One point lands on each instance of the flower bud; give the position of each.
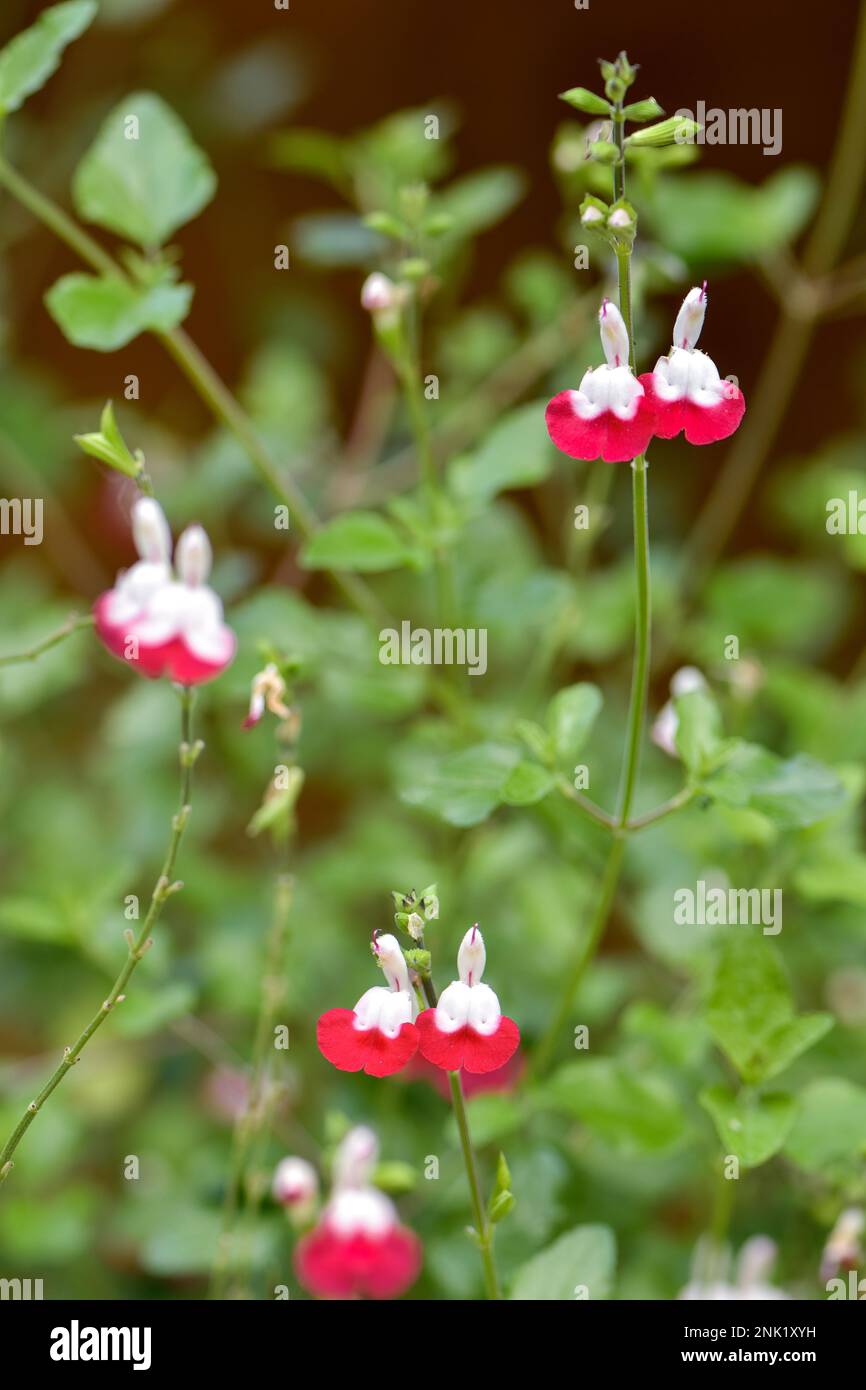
(472, 957)
(583, 100)
(355, 1158)
(614, 334)
(295, 1185)
(379, 293)
(193, 556)
(151, 531)
(690, 319)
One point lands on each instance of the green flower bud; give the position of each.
(648, 110)
(584, 100)
(677, 130)
(604, 152)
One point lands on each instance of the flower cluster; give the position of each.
(466, 1030)
(357, 1247)
(166, 624)
(614, 414)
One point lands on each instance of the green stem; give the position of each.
(138, 945)
(76, 622)
(252, 1120)
(667, 808)
(199, 372)
(410, 377)
(483, 1226)
(640, 668)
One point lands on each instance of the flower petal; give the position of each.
(702, 424)
(487, 1052)
(363, 1049)
(606, 436)
(465, 1048)
(338, 1266)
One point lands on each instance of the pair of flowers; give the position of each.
(614, 414)
(164, 622)
(466, 1030)
(357, 1247)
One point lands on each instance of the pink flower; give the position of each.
(467, 1028)
(609, 416)
(379, 1035)
(296, 1185)
(358, 1247)
(166, 626)
(502, 1081)
(685, 389)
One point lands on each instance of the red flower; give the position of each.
(467, 1028)
(685, 389)
(379, 1035)
(161, 625)
(358, 1248)
(610, 415)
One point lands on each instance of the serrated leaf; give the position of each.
(361, 541)
(753, 1127)
(143, 180)
(793, 793)
(516, 453)
(97, 312)
(830, 1128)
(636, 1113)
(570, 717)
(29, 59)
(581, 1260)
(463, 788)
(750, 1011)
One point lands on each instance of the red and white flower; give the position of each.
(467, 1029)
(685, 389)
(358, 1247)
(162, 625)
(379, 1035)
(609, 415)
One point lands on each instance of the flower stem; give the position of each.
(228, 1265)
(74, 623)
(640, 667)
(199, 372)
(138, 944)
(483, 1226)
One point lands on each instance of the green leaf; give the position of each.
(830, 1128)
(516, 453)
(792, 793)
(109, 446)
(148, 1010)
(105, 314)
(336, 239)
(463, 788)
(636, 1113)
(526, 784)
(584, 100)
(751, 1014)
(579, 1264)
(699, 730)
(31, 57)
(750, 1126)
(570, 717)
(708, 217)
(481, 199)
(361, 541)
(144, 177)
